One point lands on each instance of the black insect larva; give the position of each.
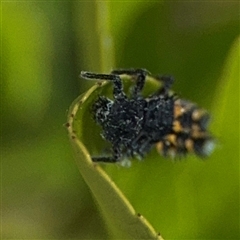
(134, 124)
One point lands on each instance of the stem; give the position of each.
(106, 45)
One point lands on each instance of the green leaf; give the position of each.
(227, 93)
(121, 218)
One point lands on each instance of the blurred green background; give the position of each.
(45, 45)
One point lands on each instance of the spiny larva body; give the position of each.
(133, 125)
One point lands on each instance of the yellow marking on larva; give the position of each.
(159, 147)
(178, 110)
(197, 132)
(189, 145)
(197, 135)
(197, 114)
(195, 128)
(172, 138)
(177, 127)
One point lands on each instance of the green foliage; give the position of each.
(45, 45)
(186, 181)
